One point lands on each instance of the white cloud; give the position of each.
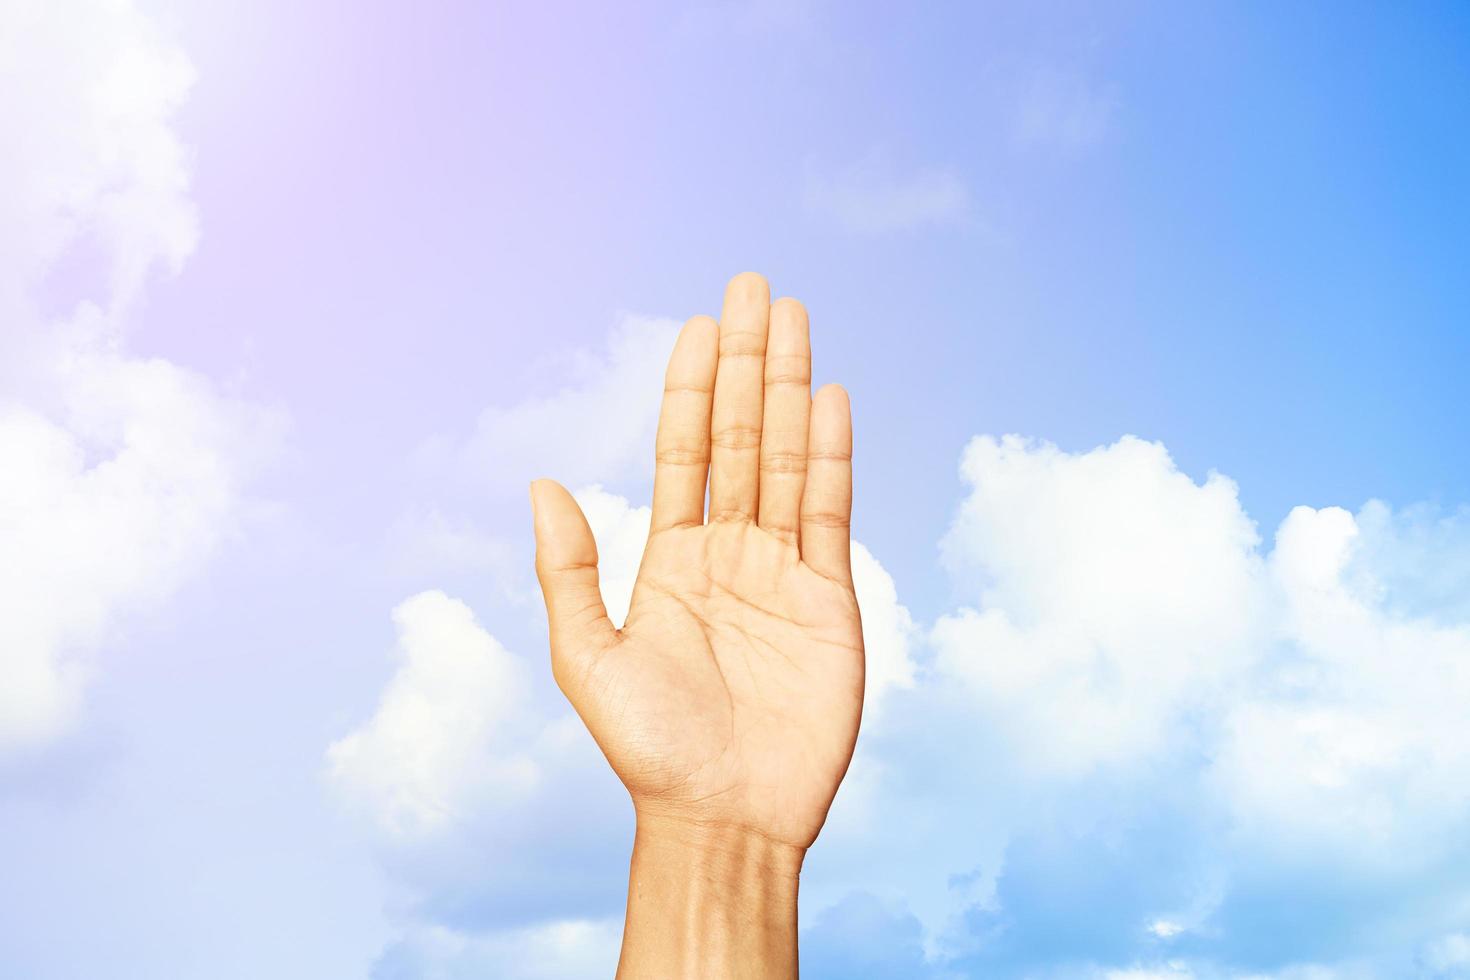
(1128, 654)
(1114, 597)
(119, 476)
(1357, 741)
(889, 634)
(1126, 621)
(869, 198)
(90, 89)
(621, 531)
(447, 733)
(1414, 562)
(107, 505)
(474, 795)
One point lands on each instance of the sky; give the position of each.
(1154, 319)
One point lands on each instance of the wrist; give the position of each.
(727, 852)
(720, 900)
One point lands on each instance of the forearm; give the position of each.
(709, 903)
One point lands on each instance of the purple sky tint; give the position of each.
(441, 251)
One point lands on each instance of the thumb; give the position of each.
(566, 564)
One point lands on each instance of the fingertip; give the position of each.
(537, 491)
(749, 286)
(791, 305)
(698, 339)
(834, 395)
(539, 488)
(698, 324)
(790, 328)
(545, 496)
(831, 421)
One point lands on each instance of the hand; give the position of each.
(728, 703)
(731, 697)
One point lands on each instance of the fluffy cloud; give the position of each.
(109, 504)
(889, 633)
(1357, 742)
(488, 808)
(91, 87)
(119, 476)
(1113, 598)
(621, 531)
(443, 738)
(1219, 736)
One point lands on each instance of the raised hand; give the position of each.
(728, 703)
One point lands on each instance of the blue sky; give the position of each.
(300, 302)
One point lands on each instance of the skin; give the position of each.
(728, 703)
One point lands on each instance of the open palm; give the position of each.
(732, 694)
